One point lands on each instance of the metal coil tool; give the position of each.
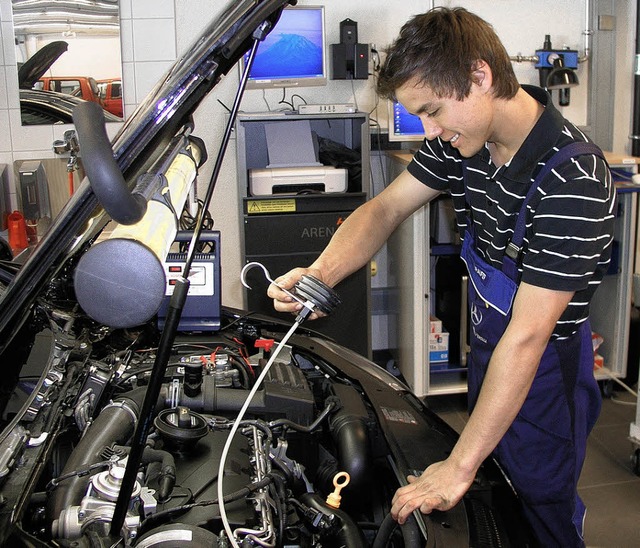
(313, 294)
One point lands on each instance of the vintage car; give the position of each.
(123, 425)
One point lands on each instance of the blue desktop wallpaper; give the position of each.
(404, 122)
(293, 49)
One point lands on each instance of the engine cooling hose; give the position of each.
(349, 430)
(105, 177)
(347, 532)
(114, 424)
(167, 476)
(410, 533)
(167, 479)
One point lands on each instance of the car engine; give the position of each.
(307, 465)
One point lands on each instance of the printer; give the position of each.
(294, 180)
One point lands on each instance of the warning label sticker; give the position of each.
(398, 415)
(257, 207)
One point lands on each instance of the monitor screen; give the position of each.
(402, 125)
(294, 52)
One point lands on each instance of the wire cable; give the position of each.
(617, 380)
(236, 424)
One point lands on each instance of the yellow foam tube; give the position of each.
(120, 282)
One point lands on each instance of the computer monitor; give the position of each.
(403, 126)
(294, 52)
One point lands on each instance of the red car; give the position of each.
(83, 87)
(111, 94)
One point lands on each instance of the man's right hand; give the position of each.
(283, 302)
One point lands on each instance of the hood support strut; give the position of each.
(174, 312)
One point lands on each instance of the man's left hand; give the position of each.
(440, 487)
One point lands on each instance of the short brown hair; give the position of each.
(440, 49)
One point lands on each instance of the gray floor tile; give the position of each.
(613, 515)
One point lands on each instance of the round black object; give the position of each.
(320, 294)
(120, 283)
(181, 426)
(178, 535)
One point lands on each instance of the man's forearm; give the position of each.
(503, 392)
(364, 231)
(355, 242)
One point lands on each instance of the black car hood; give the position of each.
(39, 63)
(61, 102)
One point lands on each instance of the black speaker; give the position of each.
(349, 61)
(361, 62)
(348, 32)
(339, 64)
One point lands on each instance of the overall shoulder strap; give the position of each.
(572, 150)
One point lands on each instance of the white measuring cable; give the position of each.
(308, 307)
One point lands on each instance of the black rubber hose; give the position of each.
(346, 532)
(351, 437)
(167, 478)
(101, 168)
(410, 533)
(349, 430)
(114, 424)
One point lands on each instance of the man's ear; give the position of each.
(481, 74)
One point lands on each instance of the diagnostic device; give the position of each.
(203, 305)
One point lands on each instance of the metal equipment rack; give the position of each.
(610, 315)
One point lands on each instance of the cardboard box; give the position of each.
(438, 357)
(598, 361)
(435, 325)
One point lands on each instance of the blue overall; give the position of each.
(544, 449)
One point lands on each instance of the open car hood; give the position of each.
(142, 139)
(34, 68)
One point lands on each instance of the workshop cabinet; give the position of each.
(290, 228)
(414, 257)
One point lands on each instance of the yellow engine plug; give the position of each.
(340, 481)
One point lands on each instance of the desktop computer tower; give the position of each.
(294, 237)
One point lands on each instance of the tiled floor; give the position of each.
(607, 485)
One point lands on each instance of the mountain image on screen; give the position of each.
(292, 55)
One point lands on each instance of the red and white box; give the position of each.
(439, 347)
(435, 325)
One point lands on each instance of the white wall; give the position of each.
(155, 32)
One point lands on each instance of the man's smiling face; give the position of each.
(466, 124)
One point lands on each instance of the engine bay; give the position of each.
(314, 462)
(305, 427)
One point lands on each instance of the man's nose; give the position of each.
(431, 129)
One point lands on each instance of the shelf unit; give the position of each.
(410, 249)
(287, 230)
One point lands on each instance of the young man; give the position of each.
(532, 395)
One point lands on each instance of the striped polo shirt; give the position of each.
(570, 218)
